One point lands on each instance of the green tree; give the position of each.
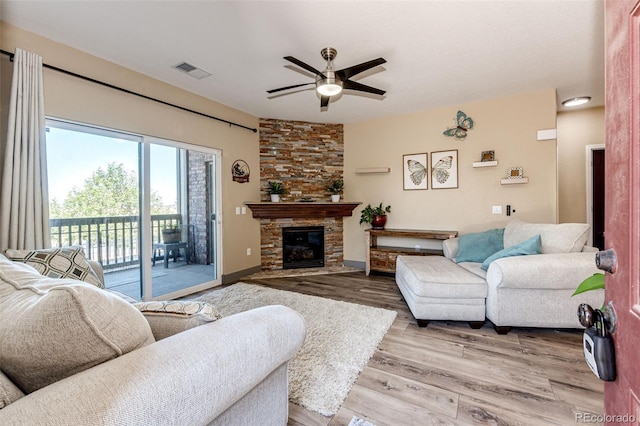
(110, 192)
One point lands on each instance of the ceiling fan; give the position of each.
(331, 83)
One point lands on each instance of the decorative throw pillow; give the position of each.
(53, 328)
(65, 262)
(531, 246)
(167, 318)
(478, 246)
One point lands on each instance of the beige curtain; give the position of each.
(24, 211)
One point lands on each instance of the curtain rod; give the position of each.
(111, 86)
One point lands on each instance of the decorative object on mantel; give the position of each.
(488, 156)
(414, 171)
(372, 170)
(487, 159)
(464, 123)
(335, 189)
(375, 216)
(276, 189)
(444, 169)
(240, 171)
(514, 175)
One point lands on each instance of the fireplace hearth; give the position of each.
(302, 247)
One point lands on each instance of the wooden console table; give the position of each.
(383, 258)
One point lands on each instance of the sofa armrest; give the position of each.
(542, 271)
(189, 378)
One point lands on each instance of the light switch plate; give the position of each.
(496, 209)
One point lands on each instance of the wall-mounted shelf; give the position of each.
(369, 170)
(514, 181)
(485, 163)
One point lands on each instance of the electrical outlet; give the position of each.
(237, 210)
(244, 210)
(496, 209)
(249, 251)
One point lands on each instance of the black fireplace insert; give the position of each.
(303, 247)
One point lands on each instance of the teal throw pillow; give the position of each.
(478, 246)
(531, 246)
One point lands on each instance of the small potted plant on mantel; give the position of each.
(335, 189)
(275, 190)
(376, 216)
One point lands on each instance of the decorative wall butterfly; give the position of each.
(441, 169)
(418, 171)
(463, 125)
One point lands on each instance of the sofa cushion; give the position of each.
(476, 247)
(531, 246)
(65, 262)
(439, 277)
(52, 328)
(167, 318)
(9, 392)
(556, 238)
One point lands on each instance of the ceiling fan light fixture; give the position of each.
(328, 88)
(580, 100)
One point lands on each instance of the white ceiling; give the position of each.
(438, 53)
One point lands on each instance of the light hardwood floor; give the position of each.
(449, 374)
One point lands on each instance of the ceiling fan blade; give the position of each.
(303, 65)
(352, 85)
(349, 72)
(324, 103)
(288, 87)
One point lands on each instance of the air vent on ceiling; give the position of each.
(193, 71)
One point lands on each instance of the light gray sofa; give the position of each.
(227, 372)
(524, 291)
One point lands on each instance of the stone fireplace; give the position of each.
(306, 158)
(276, 216)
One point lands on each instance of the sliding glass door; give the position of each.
(140, 206)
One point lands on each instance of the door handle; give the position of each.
(607, 261)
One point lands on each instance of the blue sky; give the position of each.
(73, 156)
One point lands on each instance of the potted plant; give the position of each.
(376, 216)
(171, 235)
(276, 189)
(335, 189)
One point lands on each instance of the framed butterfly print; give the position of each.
(444, 169)
(415, 171)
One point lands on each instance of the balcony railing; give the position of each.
(113, 241)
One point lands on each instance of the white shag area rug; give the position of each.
(341, 337)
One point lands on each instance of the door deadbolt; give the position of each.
(607, 261)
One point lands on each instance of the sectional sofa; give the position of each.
(523, 275)
(73, 353)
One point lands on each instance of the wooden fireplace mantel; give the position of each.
(300, 210)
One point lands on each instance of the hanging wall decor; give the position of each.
(444, 169)
(415, 171)
(240, 171)
(464, 123)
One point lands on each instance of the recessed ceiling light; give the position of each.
(580, 100)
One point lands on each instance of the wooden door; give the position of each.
(622, 110)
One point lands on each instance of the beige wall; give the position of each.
(74, 99)
(576, 130)
(508, 126)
